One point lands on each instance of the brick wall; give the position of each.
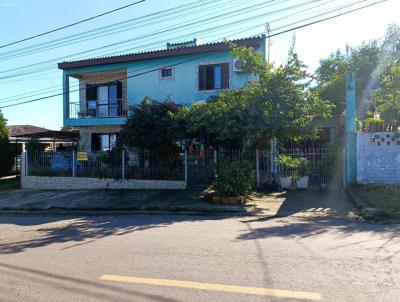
(101, 78)
(85, 139)
(378, 158)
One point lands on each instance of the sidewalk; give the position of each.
(110, 200)
(305, 204)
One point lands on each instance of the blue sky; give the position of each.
(22, 18)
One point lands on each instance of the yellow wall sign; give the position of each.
(82, 156)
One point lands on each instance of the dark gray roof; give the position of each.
(18, 130)
(164, 53)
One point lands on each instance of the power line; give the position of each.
(180, 27)
(207, 30)
(183, 24)
(72, 24)
(329, 18)
(196, 58)
(51, 88)
(27, 95)
(135, 23)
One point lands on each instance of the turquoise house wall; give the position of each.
(144, 81)
(182, 87)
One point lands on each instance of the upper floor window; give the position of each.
(166, 72)
(213, 76)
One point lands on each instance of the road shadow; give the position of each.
(80, 230)
(304, 228)
(310, 214)
(83, 287)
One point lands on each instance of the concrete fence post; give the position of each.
(215, 156)
(22, 167)
(26, 163)
(123, 164)
(186, 169)
(73, 163)
(258, 168)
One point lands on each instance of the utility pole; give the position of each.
(268, 30)
(351, 134)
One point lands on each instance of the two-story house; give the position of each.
(98, 91)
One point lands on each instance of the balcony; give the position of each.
(95, 98)
(98, 109)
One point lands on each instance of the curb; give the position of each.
(131, 211)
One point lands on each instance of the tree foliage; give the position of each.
(331, 75)
(153, 126)
(278, 102)
(6, 151)
(386, 98)
(376, 65)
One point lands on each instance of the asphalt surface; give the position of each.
(65, 258)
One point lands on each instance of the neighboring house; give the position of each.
(97, 92)
(19, 135)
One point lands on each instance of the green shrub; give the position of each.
(6, 151)
(296, 165)
(234, 178)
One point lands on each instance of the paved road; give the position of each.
(195, 258)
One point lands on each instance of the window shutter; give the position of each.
(209, 77)
(119, 90)
(225, 76)
(202, 77)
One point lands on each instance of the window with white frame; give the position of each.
(166, 73)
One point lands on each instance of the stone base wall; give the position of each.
(82, 183)
(85, 140)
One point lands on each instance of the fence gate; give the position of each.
(201, 167)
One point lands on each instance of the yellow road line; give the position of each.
(215, 287)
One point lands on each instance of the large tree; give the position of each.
(278, 102)
(386, 98)
(331, 75)
(6, 152)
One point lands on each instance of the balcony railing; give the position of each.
(98, 109)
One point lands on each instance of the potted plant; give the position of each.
(234, 181)
(294, 168)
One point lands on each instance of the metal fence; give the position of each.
(98, 108)
(108, 164)
(323, 171)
